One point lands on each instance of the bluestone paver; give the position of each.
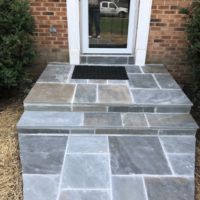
(137, 155)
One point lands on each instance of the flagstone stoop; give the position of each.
(107, 140)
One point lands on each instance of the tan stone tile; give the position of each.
(114, 94)
(50, 93)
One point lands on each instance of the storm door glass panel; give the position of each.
(108, 23)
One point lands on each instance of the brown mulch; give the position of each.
(10, 169)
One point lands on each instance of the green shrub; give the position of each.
(16, 42)
(193, 51)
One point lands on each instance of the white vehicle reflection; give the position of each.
(109, 8)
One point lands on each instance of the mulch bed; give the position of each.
(10, 169)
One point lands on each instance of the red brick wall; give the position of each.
(167, 39)
(48, 13)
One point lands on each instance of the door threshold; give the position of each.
(107, 59)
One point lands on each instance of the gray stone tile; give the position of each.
(124, 109)
(127, 131)
(95, 81)
(171, 121)
(50, 93)
(37, 120)
(114, 94)
(41, 163)
(40, 187)
(170, 188)
(35, 131)
(166, 81)
(131, 60)
(133, 69)
(151, 68)
(128, 188)
(137, 155)
(102, 119)
(149, 109)
(134, 120)
(86, 171)
(55, 73)
(94, 108)
(82, 131)
(87, 144)
(85, 94)
(130, 109)
(117, 82)
(182, 164)
(161, 97)
(83, 59)
(142, 81)
(39, 107)
(107, 60)
(78, 81)
(42, 154)
(173, 109)
(178, 144)
(30, 143)
(84, 195)
(177, 132)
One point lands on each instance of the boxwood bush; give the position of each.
(193, 51)
(16, 42)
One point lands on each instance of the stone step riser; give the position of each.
(108, 109)
(108, 60)
(103, 131)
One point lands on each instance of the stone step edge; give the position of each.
(106, 131)
(80, 120)
(108, 108)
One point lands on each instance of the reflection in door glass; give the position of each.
(108, 23)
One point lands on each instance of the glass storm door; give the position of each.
(108, 27)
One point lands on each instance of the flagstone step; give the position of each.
(79, 167)
(100, 123)
(105, 139)
(149, 89)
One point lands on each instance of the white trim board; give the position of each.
(74, 31)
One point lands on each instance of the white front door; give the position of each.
(117, 21)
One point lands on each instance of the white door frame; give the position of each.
(74, 33)
(131, 31)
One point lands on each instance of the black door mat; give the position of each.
(99, 72)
